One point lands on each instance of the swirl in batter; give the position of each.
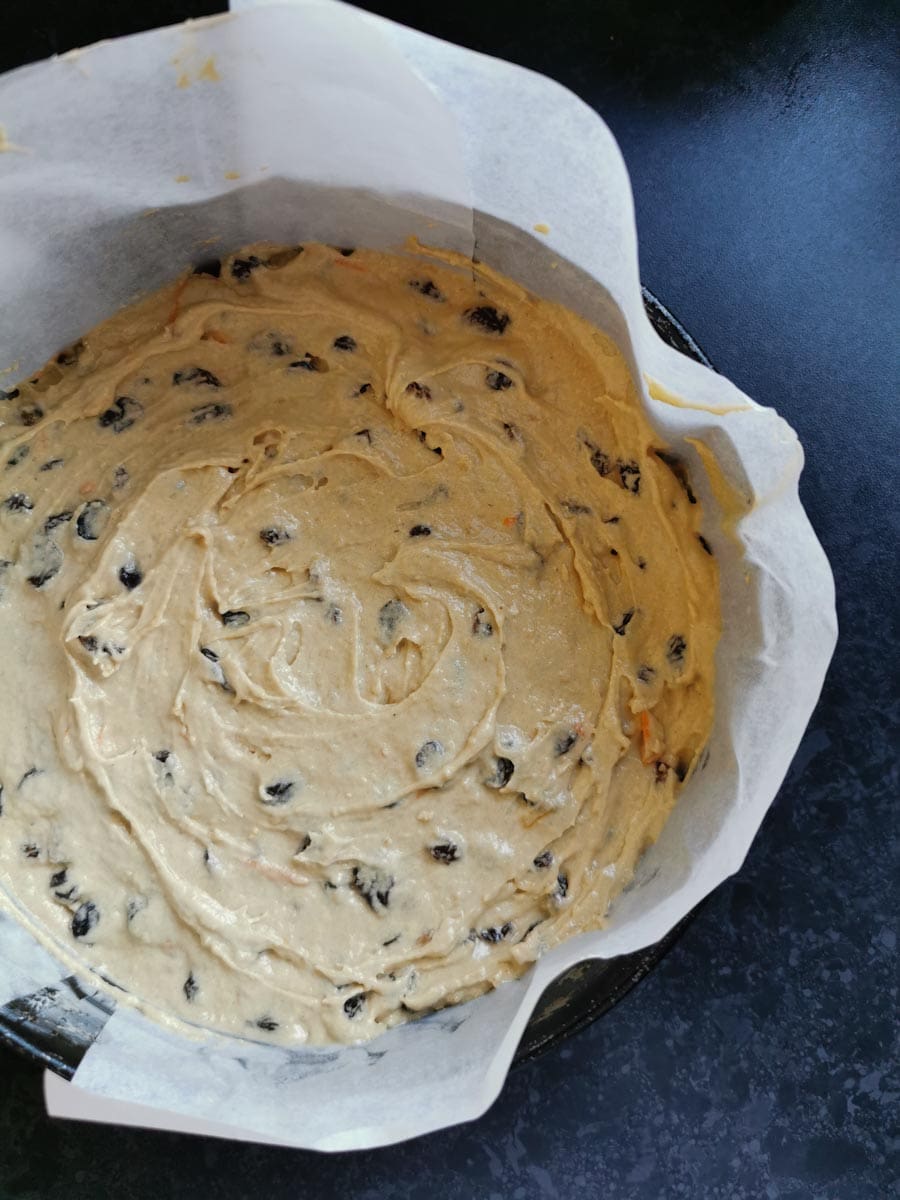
(357, 632)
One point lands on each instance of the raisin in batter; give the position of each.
(356, 633)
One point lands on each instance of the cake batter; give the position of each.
(357, 632)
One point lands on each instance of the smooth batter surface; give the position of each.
(356, 631)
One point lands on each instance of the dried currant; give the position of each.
(85, 919)
(18, 502)
(279, 347)
(481, 626)
(130, 575)
(274, 536)
(278, 793)
(444, 852)
(309, 362)
(427, 287)
(241, 268)
(30, 414)
(630, 476)
(624, 622)
(428, 753)
(675, 648)
(390, 615)
(600, 462)
(91, 520)
(198, 376)
(502, 773)
(48, 561)
(564, 743)
(496, 933)
(420, 390)
(486, 317)
(354, 1005)
(121, 415)
(209, 412)
(374, 886)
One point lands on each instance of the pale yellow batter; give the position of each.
(356, 632)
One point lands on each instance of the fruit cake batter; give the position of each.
(356, 630)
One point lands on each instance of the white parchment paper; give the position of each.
(129, 160)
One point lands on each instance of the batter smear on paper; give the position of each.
(357, 632)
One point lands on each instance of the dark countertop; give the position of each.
(756, 1060)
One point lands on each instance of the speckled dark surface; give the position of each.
(756, 1061)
